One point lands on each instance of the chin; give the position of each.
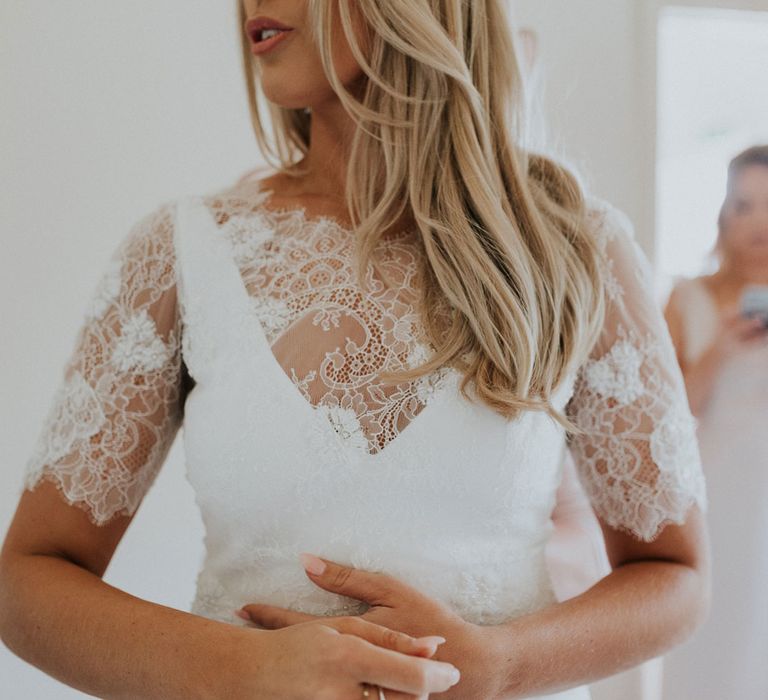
(274, 89)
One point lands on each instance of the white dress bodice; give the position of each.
(457, 504)
(247, 327)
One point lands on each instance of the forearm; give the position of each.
(94, 637)
(635, 613)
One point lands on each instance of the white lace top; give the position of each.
(121, 400)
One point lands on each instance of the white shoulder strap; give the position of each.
(213, 300)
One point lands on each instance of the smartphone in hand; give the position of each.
(754, 302)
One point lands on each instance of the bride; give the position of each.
(378, 349)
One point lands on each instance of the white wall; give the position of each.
(594, 89)
(110, 108)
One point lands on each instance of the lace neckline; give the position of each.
(296, 272)
(299, 215)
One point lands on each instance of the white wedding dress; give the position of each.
(727, 657)
(247, 325)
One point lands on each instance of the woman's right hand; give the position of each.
(313, 661)
(736, 333)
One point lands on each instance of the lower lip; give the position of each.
(260, 47)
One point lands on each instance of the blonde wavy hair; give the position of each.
(512, 290)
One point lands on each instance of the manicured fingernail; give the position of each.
(426, 641)
(243, 614)
(312, 564)
(454, 676)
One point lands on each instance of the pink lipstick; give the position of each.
(265, 33)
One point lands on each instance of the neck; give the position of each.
(330, 138)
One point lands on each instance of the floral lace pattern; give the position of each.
(300, 272)
(638, 455)
(120, 404)
(117, 410)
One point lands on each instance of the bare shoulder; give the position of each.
(257, 183)
(281, 191)
(712, 283)
(279, 183)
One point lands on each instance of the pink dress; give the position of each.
(727, 658)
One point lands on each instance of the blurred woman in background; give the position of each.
(723, 352)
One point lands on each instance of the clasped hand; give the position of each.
(401, 608)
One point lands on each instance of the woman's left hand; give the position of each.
(400, 607)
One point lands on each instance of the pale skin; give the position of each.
(58, 613)
(743, 247)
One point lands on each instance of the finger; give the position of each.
(400, 672)
(751, 328)
(389, 638)
(389, 694)
(752, 322)
(756, 338)
(274, 617)
(373, 587)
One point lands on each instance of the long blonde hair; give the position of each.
(512, 290)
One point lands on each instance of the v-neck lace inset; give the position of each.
(331, 337)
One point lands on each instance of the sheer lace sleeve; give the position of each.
(117, 408)
(638, 456)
